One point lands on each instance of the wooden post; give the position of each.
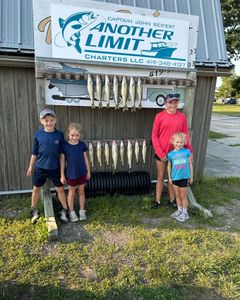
(48, 211)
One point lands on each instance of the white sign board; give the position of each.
(109, 37)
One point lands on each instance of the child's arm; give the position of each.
(31, 165)
(191, 169)
(169, 168)
(62, 168)
(87, 165)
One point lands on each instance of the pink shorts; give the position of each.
(79, 181)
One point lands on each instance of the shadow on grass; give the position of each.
(10, 291)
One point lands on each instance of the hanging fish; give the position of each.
(99, 90)
(99, 153)
(90, 89)
(115, 92)
(136, 148)
(90, 148)
(107, 90)
(114, 154)
(140, 92)
(106, 152)
(124, 92)
(132, 92)
(129, 154)
(122, 152)
(144, 151)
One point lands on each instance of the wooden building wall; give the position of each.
(19, 121)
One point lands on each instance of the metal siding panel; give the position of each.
(156, 4)
(169, 5)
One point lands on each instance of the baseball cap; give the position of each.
(45, 112)
(171, 97)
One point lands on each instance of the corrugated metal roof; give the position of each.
(16, 25)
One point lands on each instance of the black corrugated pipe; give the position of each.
(102, 183)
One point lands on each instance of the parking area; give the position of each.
(223, 155)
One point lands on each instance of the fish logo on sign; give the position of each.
(71, 29)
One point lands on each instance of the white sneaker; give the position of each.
(82, 215)
(73, 217)
(63, 215)
(176, 213)
(182, 217)
(35, 215)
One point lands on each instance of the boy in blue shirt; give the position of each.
(180, 174)
(46, 158)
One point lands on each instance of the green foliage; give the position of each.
(231, 22)
(128, 252)
(230, 87)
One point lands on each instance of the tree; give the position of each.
(230, 87)
(231, 23)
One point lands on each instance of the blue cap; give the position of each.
(47, 111)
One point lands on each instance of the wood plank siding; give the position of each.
(19, 121)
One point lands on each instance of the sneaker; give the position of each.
(35, 215)
(73, 217)
(172, 203)
(176, 213)
(155, 205)
(182, 217)
(82, 215)
(63, 215)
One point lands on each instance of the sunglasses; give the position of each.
(173, 96)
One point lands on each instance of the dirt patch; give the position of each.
(229, 215)
(72, 232)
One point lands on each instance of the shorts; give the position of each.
(157, 157)
(180, 182)
(40, 176)
(79, 181)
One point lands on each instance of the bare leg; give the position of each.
(178, 195)
(35, 196)
(81, 195)
(70, 199)
(184, 199)
(161, 171)
(62, 196)
(171, 192)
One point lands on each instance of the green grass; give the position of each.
(213, 135)
(230, 110)
(124, 250)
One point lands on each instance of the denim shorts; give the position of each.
(40, 176)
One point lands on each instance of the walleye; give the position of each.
(106, 152)
(132, 92)
(124, 92)
(136, 151)
(107, 90)
(71, 27)
(122, 152)
(90, 89)
(90, 148)
(99, 90)
(140, 92)
(144, 151)
(114, 154)
(129, 154)
(115, 91)
(99, 153)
